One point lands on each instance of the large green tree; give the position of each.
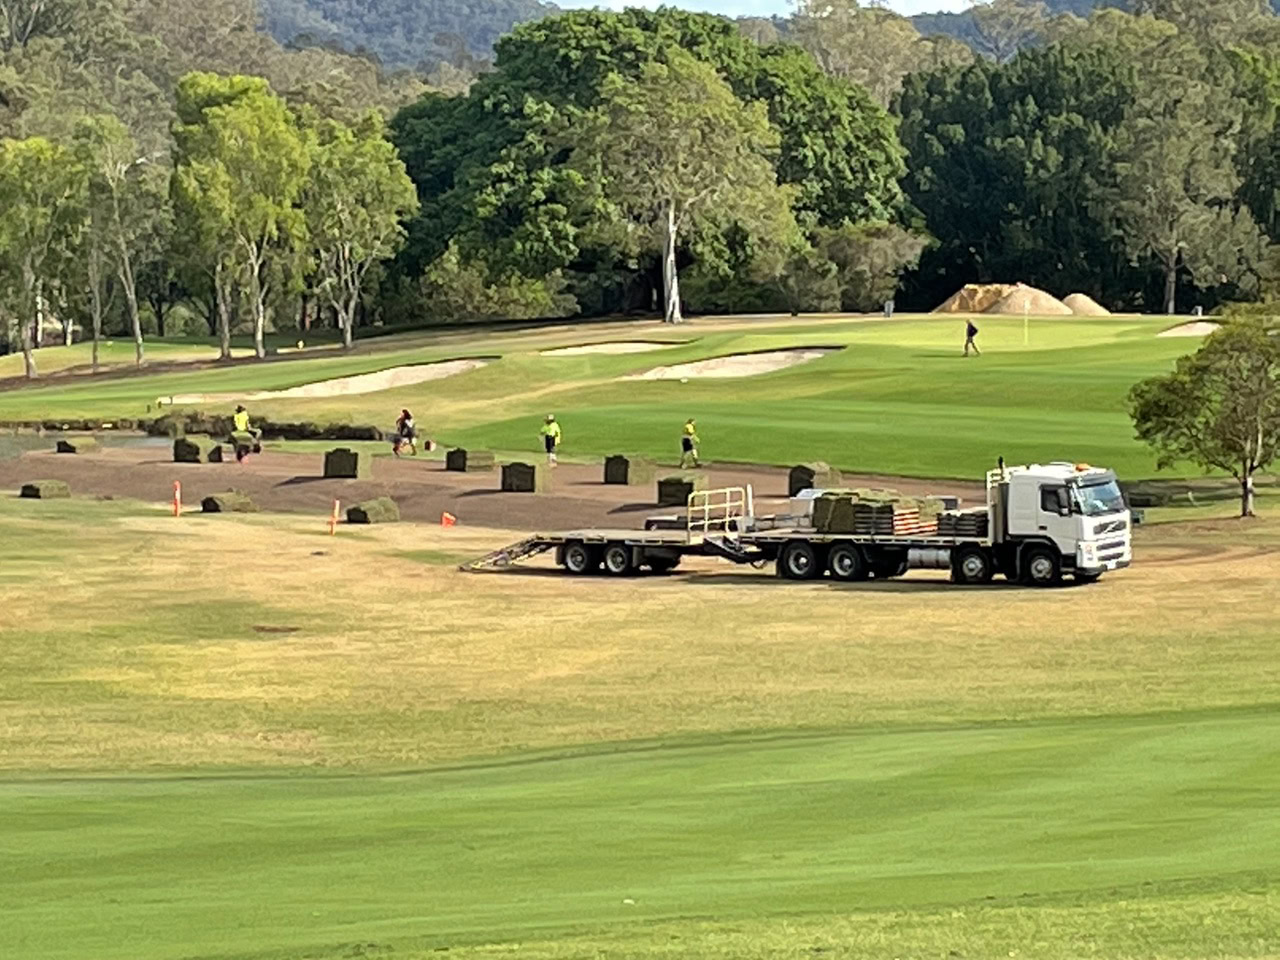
(42, 196)
(1220, 407)
(491, 167)
(674, 147)
(240, 169)
(357, 196)
(1004, 163)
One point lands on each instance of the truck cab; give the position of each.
(1059, 518)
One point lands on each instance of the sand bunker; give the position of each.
(620, 346)
(346, 386)
(1083, 305)
(1196, 328)
(737, 365)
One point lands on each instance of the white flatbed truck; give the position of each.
(1044, 522)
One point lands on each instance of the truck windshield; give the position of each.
(1095, 499)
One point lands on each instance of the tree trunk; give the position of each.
(223, 305)
(258, 293)
(1246, 494)
(95, 302)
(1170, 285)
(32, 299)
(670, 278)
(131, 299)
(348, 321)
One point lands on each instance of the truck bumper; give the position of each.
(1100, 569)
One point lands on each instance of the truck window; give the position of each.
(1053, 499)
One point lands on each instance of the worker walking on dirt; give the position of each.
(551, 437)
(689, 444)
(406, 434)
(970, 338)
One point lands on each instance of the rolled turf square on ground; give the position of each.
(78, 445)
(345, 463)
(674, 490)
(378, 510)
(230, 501)
(45, 490)
(526, 478)
(629, 470)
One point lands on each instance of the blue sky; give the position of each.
(762, 8)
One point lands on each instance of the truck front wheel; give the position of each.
(617, 559)
(972, 565)
(1041, 567)
(847, 563)
(799, 561)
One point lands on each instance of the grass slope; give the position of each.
(1087, 811)
(899, 399)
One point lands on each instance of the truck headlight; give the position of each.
(1088, 551)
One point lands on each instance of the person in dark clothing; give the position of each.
(970, 333)
(406, 434)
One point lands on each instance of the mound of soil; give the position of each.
(737, 365)
(1083, 305)
(1029, 300)
(976, 297)
(1196, 328)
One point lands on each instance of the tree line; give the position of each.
(168, 160)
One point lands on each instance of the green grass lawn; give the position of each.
(1088, 813)
(898, 399)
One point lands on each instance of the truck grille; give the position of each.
(1112, 545)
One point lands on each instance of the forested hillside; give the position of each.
(403, 34)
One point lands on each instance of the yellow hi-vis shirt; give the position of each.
(241, 421)
(690, 432)
(552, 430)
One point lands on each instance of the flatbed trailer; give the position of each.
(721, 523)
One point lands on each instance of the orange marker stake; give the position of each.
(177, 498)
(333, 520)
(448, 520)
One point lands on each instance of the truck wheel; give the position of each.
(971, 565)
(579, 558)
(799, 561)
(1041, 567)
(617, 559)
(847, 563)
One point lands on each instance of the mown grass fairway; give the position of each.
(899, 398)
(239, 737)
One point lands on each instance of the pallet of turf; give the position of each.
(347, 464)
(810, 476)
(230, 501)
(78, 445)
(45, 490)
(525, 478)
(186, 450)
(674, 490)
(378, 510)
(465, 461)
(629, 470)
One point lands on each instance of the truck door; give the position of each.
(1055, 520)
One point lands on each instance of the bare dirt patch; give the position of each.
(1083, 305)
(737, 365)
(618, 347)
(1196, 328)
(1031, 301)
(348, 386)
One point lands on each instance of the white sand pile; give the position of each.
(737, 365)
(1196, 328)
(345, 386)
(619, 346)
(1023, 299)
(1083, 305)
(976, 297)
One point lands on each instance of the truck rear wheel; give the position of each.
(579, 558)
(617, 560)
(1041, 567)
(889, 566)
(972, 565)
(799, 561)
(847, 563)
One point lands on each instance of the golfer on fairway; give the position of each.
(970, 334)
(689, 444)
(551, 437)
